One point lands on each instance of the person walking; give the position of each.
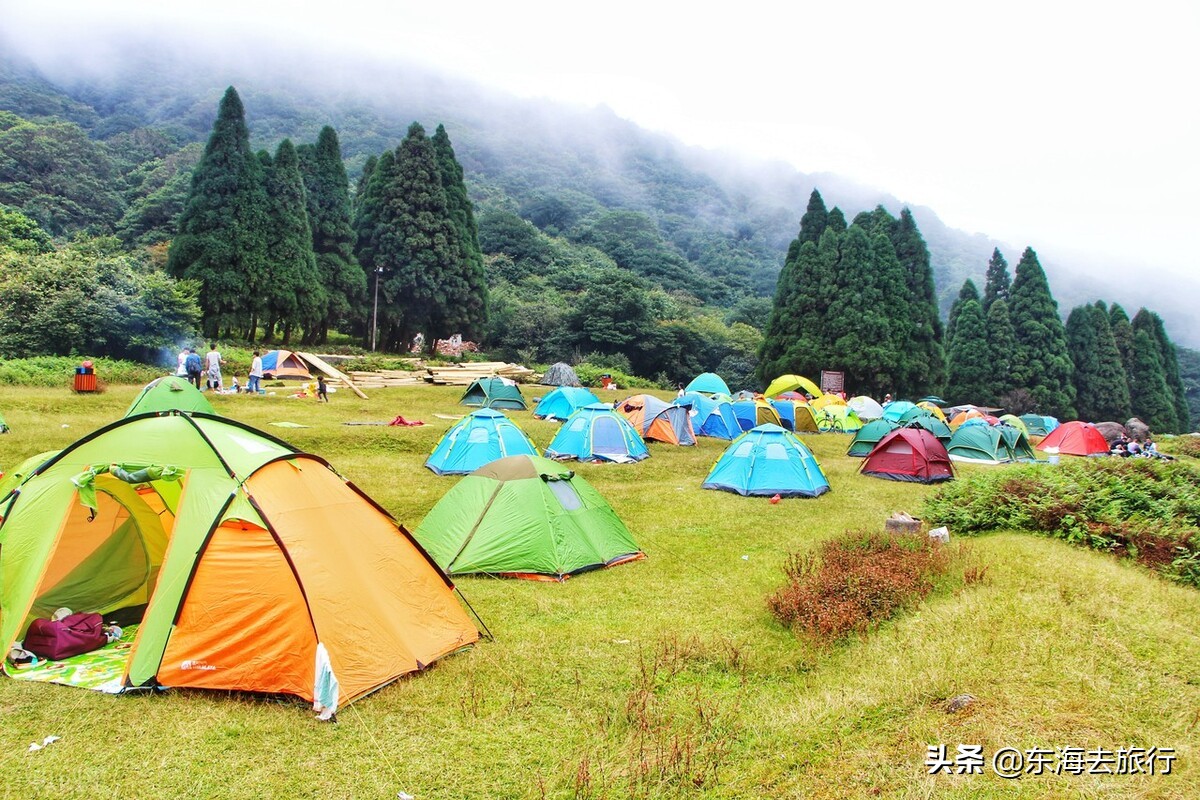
(213, 362)
(256, 373)
(194, 366)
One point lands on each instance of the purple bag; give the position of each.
(70, 636)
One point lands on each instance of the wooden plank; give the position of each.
(320, 364)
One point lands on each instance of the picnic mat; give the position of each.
(98, 669)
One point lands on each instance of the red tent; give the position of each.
(1076, 439)
(909, 454)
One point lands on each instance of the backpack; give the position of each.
(192, 362)
(69, 636)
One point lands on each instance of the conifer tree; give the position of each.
(998, 284)
(815, 218)
(837, 220)
(470, 312)
(925, 356)
(293, 294)
(1041, 364)
(222, 231)
(788, 345)
(1101, 389)
(1002, 342)
(1152, 323)
(969, 378)
(967, 292)
(328, 191)
(1122, 332)
(416, 244)
(1149, 394)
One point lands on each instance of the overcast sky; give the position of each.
(1068, 126)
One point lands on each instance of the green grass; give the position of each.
(666, 677)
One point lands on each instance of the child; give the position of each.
(322, 392)
(236, 387)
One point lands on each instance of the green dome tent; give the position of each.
(869, 435)
(171, 393)
(525, 516)
(494, 393)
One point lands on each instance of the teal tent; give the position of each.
(708, 383)
(869, 435)
(597, 433)
(768, 460)
(562, 402)
(525, 516)
(479, 438)
(494, 393)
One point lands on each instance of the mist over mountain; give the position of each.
(727, 216)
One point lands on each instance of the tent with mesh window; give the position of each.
(909, 454)
(235, 562)
(527, 517)
(597, 433)
(479, 438)
(768, 460)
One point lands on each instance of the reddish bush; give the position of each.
(855, 582)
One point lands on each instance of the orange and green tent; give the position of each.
(243, 564)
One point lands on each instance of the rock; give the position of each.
(940, 535)
(1137, 429)
(960, 702)
(902, 523)
(1111, 431)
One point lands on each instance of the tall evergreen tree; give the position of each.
(789, 344)
(813, 223)
(469, 314)
(1152, 323)
(1002, 343)
(969, 378)
(998, 284)
(416, 244)
(1101, 390)
(294, 294)
(926, 358)
(967, 292)
(1041, 364)
(1150, 395)
(1122, 332)
(222, 233)
(837, 220)
(328, 191)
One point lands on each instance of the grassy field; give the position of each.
(661, 678)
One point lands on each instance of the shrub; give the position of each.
(1139, 508)
(60, 371)
(855, 582)
(1180, 445)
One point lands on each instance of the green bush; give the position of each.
(1140, 508)
(60, 371)
(589, 375)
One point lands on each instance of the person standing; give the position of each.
(256, 373)
(181, 367)
(194, 366)
(213, 362)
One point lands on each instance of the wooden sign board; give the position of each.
(833, 382)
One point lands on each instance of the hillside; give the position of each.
(723, 222)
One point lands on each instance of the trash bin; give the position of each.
(85, 377)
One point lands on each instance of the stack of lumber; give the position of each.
(467, 373)
(387, 378)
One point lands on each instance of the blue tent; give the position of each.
(479, 438)
(708, 383)
(562, 402)
(597, 433)
(710, 417)
(897, 409)
(750, 413)
(786, 410)
(768, 461)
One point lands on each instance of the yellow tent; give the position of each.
(790, 383)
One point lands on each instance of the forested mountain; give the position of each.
(711, 224)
